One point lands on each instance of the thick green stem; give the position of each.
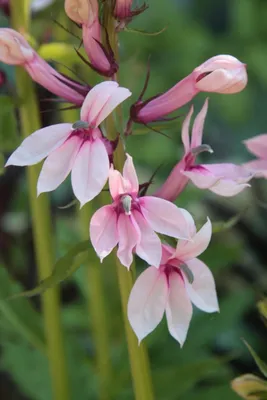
(139, 362)
(97, 311)
(41, 221)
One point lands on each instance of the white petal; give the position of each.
(58, 165)
(187, 250)
(149, 248)
(202, 291)
(129, 237)
(147, 302)
(103, 231)
(129, 174)
(197, 131)
(185, 130)
(90, 170)
(164, 217)
(228, 188)
(38, 145)
(179, 309)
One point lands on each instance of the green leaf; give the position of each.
(63, 268)
(60, 52)
(261, 364)
(8, 126)
(2, 163)
(141, 32)
(21, 315)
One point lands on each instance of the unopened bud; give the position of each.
(250, 387)
(82, 11)
(221, 74)
(14, 49)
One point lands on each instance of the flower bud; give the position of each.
(249, 387)
(14, 49)
(82, 11)
(221, 74)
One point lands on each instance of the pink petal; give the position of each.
(185, 130)
(101, 101)
(149, 247)
(228, 188)
(90, 170)
(257, 167)
(167, 253)
(197, 131)
(164, 217)
(186, 250)
(38, 145)
(178, 309)
(200, 177)
(228, 171)
(257, 145)
(129, 174)
(147, 302)
(58, 165)
(202, 291)
(103, 231)
(117, 184)
(129, 237)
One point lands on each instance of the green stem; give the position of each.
(97, 311)
(139, 362)
(41, 221)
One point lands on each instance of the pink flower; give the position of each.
(85, 13)
(181, 279)
(79, 148)
(130, 221)
(123, 10)
(223, 179)
(257, 146)
(220, 74)
(15, 50)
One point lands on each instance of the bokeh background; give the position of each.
(214, 352)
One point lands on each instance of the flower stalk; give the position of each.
(41, 221)
(139, 362)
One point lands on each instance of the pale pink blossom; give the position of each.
(220, 74)
(15, 50)
(180, 280)
(85, 13)
(224, 179)
(257, 146)
(131, 221)
(80, 148)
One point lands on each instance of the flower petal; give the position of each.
(147, 302)
(90, 170)
(186, 250)
(228, 188)
(179, 308)
(200, 177)
(117, 184)
(103, 231)
(149, 247)
(197, 131)
(185, 130)
(58, 165)
(129, 237)
(257, 145)
(129, 174)
(257, 167)
(202, 291)
(164, 217)
(101, 101)
(38, 145)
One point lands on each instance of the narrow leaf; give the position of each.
(63, 268)
(141, 32)
(261, 364)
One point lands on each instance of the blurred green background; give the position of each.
(214, 352)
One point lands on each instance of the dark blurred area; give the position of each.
(214, 352)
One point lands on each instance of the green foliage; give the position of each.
(261, 364)
(8, 126)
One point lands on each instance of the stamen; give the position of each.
(188, 273)
(80, 125)
(200, 149)
(127, 204)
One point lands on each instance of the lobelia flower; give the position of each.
(224, 179)
(79, 148)
(220, 74)
(123, 11)
(181, 279)
(85, 13)
(15, 50)
(130, 221)
(257, 146)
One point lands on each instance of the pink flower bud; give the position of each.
(14, 49)
(123, 11)
(221, 74)
(82, 11)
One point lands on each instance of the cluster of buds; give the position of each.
(176, 278)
